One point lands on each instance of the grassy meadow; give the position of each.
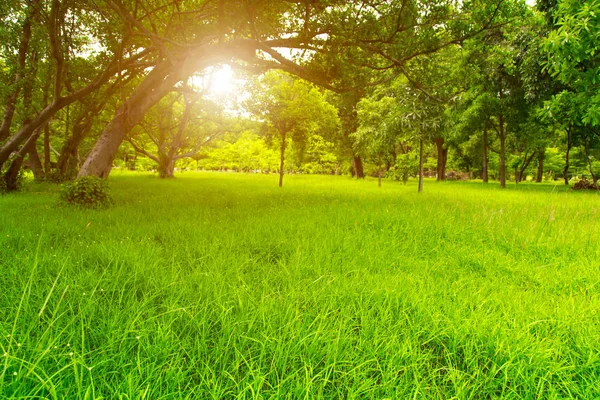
(217, 285)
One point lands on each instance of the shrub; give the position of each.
(87, 191)
(584, 184)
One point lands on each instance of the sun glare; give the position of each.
(221, 80)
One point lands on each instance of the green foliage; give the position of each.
(573, 53)
(87, 191)
(320, 157)
(246, 152)
(292, 109)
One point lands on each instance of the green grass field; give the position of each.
(219, 285)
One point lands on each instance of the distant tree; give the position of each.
(177, 128)
(291, 110)
(377, 134)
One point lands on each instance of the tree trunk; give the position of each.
(520, 170)
(66, 165)
(357, 167)
(502, 152)
(11, 176)
(484, 141)
(590, 163)
(540, 168)
(379, 172)
(166, 168)
(442, 158)
(282, 158)
(47, 165)
(420, 165)
(35, 163)
(9, 110)
(29, 127)
(566, 168)
(155, 86)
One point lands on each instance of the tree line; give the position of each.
(483, 87)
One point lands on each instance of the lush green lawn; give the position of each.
(223, 285)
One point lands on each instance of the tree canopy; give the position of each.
(483, 86)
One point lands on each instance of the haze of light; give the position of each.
(221, 81)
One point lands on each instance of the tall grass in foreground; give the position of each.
(223, 285)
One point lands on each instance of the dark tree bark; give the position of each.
(502, 137)
(540, 165)
(357, 167)
(420, 165)
(47, 165)
(35, 163)
(520, 169)
(484, 141)
(442, 158)
(11, 176)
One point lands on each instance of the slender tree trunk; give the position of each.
(502, 163)
(357, 166)
(442, 157)
(484, 141)
(420, 165)
(282, 158)
(566, 168)
(9, 109)
(590, 164)
(540, 168)
(379, 172)
(502, 152)
(47, 170)
(520, 170)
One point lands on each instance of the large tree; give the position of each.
(59, 62)
(378, 38)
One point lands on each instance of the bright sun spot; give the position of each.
(221, 80)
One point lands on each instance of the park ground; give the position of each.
(222, 285)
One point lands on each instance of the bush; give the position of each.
(87, 191)
(584, 184)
